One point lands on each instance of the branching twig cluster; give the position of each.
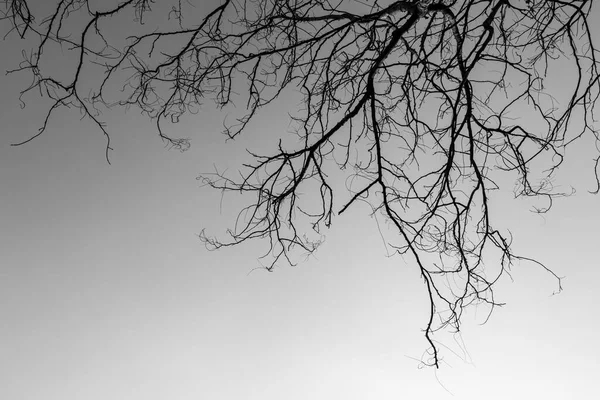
(421, 99)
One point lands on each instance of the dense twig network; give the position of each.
(424, 101)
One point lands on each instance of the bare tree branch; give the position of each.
(423, 99)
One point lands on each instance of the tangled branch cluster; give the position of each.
(422, 100)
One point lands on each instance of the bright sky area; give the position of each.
(107, 293)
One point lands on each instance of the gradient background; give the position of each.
(107, 293)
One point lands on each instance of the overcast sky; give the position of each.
(107, 293)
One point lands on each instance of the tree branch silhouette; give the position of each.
(423, 100)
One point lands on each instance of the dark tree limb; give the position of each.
(423, 100)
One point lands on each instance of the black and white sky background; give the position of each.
(107, 293)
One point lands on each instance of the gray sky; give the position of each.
(107, 293)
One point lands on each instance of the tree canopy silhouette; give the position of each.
(427, 103)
